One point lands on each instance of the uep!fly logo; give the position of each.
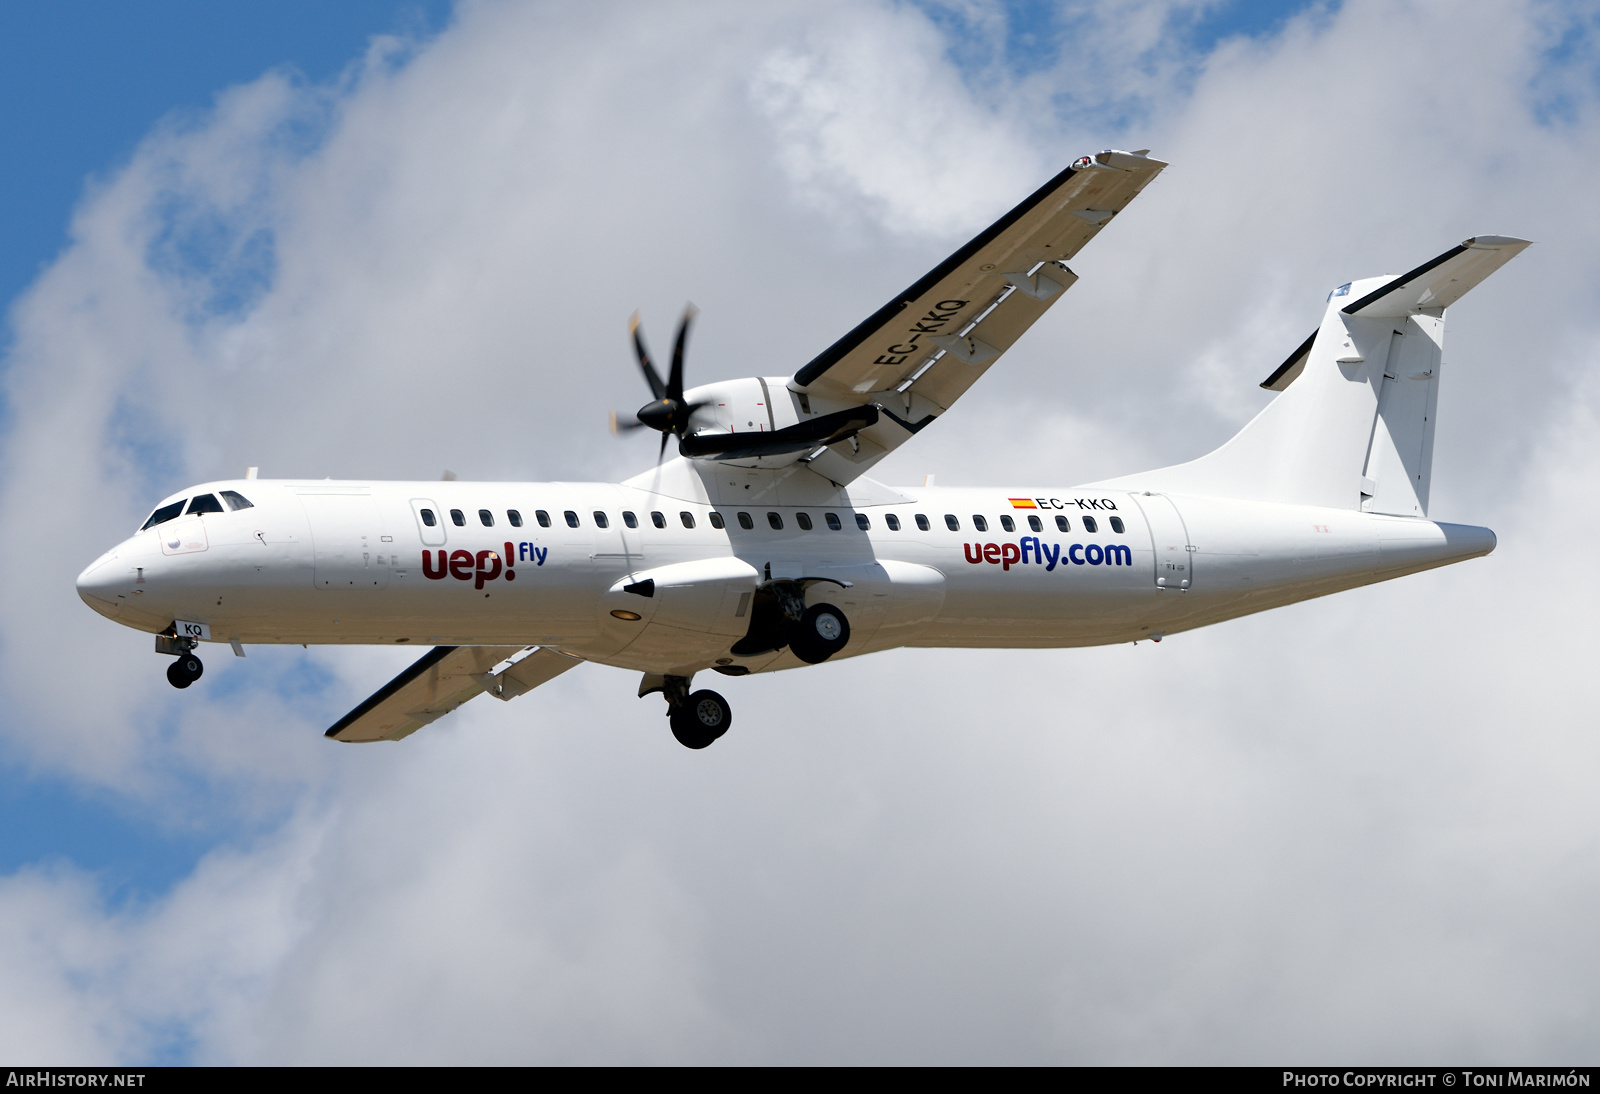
(468, 566)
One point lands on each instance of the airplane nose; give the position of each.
(98, 583)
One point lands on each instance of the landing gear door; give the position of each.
(1170, 541)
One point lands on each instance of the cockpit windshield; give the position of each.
(164, 514)
(205, 503)
(236, 500)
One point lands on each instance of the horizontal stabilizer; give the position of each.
(443, 679)
(1428, 289)
(1441, 282)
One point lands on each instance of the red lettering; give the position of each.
(973, 551)
(1009, 555)
(461, 565)
(427, 565)
(991, 552)
(484, 574)
(511, 575)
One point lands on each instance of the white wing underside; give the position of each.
(443, 679)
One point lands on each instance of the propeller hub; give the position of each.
(661, 415)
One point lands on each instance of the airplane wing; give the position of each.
(443, 679)
(913, 357)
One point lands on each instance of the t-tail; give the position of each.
(1352, 427)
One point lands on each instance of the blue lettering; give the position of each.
(1072, 553)
(1027, 545)
(1052, 554)
(539, 555)
(1119, 555)
(1094, 554)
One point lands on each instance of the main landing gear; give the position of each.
(821, 632)
(697, 718)
(779, 617)
(187, 668)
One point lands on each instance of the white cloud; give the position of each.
(1357, 828)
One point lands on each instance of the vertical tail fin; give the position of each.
(1353, 424)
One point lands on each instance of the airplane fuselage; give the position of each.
(550, 564)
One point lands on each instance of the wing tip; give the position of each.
(1490, 242)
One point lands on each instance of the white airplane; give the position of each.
(764, 546)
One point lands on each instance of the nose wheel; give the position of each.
(185, 670)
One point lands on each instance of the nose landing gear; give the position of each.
(184, 671)
(187, 668)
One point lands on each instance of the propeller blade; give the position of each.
(651, 376)
(675, 377)
(661, 453)
(620, 425)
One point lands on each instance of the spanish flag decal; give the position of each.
(1022, 503)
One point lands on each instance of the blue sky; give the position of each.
(84, 82)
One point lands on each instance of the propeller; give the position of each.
(667, 413)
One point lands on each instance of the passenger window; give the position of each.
(542, 517)
(833, 521)
(514, 517)
(629, 519)
(1062, 525)
(892, 521)
(658, 520)
(979, 523)
(804, 521)
(922, 522)
(951, 522)
(164, 514)
(716, 520)
(205, 503)
(486, 518)
(600, 520)
(1036, 524)
(687, 518)
(1089, 525)
(862, 522)
(428, 518)
(745, 521)
(572, 518)
(458, 518)
(1007, 523)
(1116, 525)
(236, 501)
(776, 521)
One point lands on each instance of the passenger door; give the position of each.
(1170, 540)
